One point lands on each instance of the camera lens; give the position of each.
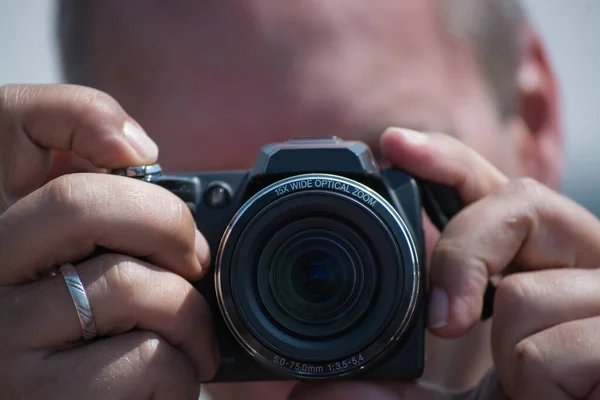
(315, 283)
(321, 274)
(317, 276)
(311, 282)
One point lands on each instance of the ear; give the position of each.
(537, 130)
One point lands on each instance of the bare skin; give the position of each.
(212, 82)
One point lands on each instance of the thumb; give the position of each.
(64, 162)
(446, 160)
(36, 120)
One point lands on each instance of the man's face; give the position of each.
(213, 81)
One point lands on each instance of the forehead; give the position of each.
(263, 16)
(297, 66)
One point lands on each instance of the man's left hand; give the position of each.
(546, 327)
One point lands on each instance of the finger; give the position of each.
(35, 119)
(446, 160)
(528, 303)
(64, 162)
(443, 159)
(68, 218)
(369, 390)
(135, 365)
(524, 224)
(558, 363)
(124, 294)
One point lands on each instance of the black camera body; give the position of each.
(317, 268)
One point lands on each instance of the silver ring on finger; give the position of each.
(80, 300)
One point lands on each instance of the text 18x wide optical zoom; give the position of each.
(318, 276)
(317, 269)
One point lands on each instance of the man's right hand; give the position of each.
(155, 337)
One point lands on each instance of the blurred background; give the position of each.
(571, 29)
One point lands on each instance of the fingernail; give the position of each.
(141, 142)
(411, 135)
(438, 308)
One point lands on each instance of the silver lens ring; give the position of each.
(346, 190)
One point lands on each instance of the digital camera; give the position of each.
(318, 269)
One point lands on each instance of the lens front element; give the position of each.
(312, 278)
(315, 268)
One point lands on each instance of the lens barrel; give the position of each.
(317, 276)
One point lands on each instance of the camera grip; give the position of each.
(441, 203)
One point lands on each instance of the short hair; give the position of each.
(492, 28)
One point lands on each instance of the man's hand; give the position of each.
(545, 322)
(155, 337)
(546, 326)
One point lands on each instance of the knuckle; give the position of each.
(97, 104)
(527, 358)
(449, 260)
(153, 352)
(527, 196)
(122, 275)
(69, 195)
(446, 252)
(177, 217)
(174, 376)
(526, 353)
(512, 292)
(512, 301)
(102, 112)
(177, 213)
(476, 274)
